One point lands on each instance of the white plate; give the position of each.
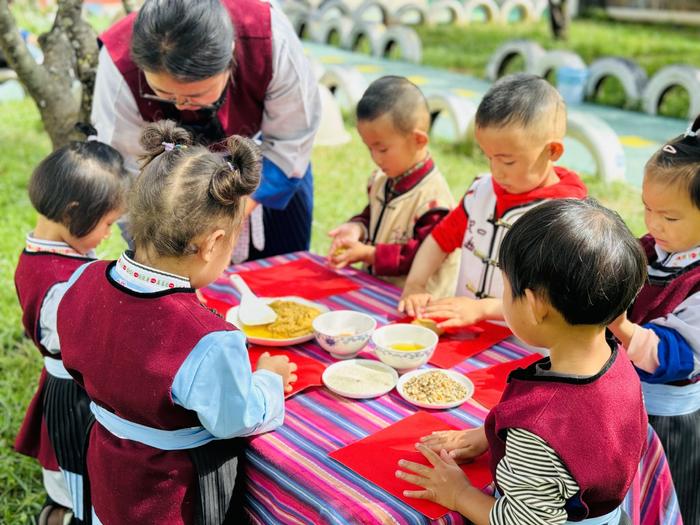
(366, 393)
(232, 317)
(456, 376)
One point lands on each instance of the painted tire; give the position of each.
(493, 12)
(362, 13)
(601, 141)
(632, 77)
(405, 39)
(553, 60)
(523, 5)
(332, 9)
(372, 32)
(531, 52)
(402, 12)
(346, 80)
(460, 111)
(326, 28)
(687, 77)
(436, 10)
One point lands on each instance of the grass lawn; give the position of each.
(340, 175)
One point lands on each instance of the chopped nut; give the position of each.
(435, 388)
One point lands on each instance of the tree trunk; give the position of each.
(62, 86)
(559, 19)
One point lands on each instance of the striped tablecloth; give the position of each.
(291, 479)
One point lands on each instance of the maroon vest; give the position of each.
(242, 110)
(36, 273)
(597, 427)
(127, 362)
(660, 298)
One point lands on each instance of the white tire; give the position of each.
(373, 33)
(531, 52)
(460, 111)
(406, 40)
(338, 26)
(373, 12)
(411, 14)
(332, 9)
(602, 143)
(452, 8)
(346, 84)
(540, 9)
(490, 8)
(524, 6)
(687, 77)
(553, 60)
(331, 129)
(632, 77)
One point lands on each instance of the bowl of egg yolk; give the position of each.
(404, 346)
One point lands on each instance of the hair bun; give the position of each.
(86, 129)
(156, 133)
(240, 175)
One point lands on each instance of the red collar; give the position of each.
(410, 179)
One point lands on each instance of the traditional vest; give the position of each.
(127, 362)
(597, 426)
(36, 273)
(479, 276)
(242, 110)
(393, 223)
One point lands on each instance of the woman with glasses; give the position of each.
(219, 68)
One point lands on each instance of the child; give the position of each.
(78, 192)
(662, 335)
(170, 381)
(408, 196)
(569, 431)
(520, 125)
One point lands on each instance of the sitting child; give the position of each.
(408, 195)
(78, 191)
(569, 431)
(170, 381)
(520, 125)
(662, 335)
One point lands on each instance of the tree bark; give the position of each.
(559, 19)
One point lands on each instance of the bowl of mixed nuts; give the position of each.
(435, 388)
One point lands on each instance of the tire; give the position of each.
(459, 110)
(346, 80)
(531, 52)
(407, 41)
(453, 7)
(553, 60)
(524, 5)
(372, 32)
(687, 77)
(632, 78)
(421, 13)
(601, 141)
(493, 12)
(361, 13)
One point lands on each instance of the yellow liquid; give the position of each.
(405, 347)
(260, 331)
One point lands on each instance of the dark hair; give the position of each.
(184, 190)
(188, 39)
(397, 96)
(78, 184)
(520, 99)
(678, 162)
(579, 255)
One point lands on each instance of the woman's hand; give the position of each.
(461, 445)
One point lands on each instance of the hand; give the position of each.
(623, 329)
(345, 233)
(462, 445)
(455, 311)
(414, 300)
(279, 364)
(352, 252)
(443, 484)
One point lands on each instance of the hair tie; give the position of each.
(669, 149)
(230, 166)
(169, 146)
(91, 138)
(689, 132)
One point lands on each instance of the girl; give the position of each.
(662, 330)
(170, 381)
(78, 192)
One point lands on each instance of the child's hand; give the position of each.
(443, 484)
(623, 329)
(352, 252)
(413, 301)
(455, 311)
(279, 364)
(345, 233)
(462, 445)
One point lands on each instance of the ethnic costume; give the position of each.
(172, 394)
(57, 417)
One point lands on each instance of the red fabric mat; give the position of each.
(489, 383)
(309, 370)
(376, 459)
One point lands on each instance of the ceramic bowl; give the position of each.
(343, 333)
(404, 360)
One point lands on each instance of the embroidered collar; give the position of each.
(669, 264)
(410, 178)
(35, 245)
(140, 278)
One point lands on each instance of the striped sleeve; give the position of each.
(534, 483)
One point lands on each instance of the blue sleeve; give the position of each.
(276, 189)
(216, 381)
(675, 357)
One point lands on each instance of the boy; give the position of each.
(407, 195)
(569, 431)
(520, 126)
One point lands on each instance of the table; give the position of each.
(291, 479)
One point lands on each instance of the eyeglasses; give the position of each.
(184, 101)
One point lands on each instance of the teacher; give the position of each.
(218, 68)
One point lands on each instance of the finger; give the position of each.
(462, 454)
(453, 323)
(288, 388)
(410, 307)
(415, 467)
(412, 478)
(292, 378)
(429, 455)
(265, 354)
(420, 494)
(333, 232)
(447, 457)
(438, 315)
(293, 367)
(401, 306)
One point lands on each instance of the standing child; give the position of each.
(408, 195)
(520, 126)
(170, 381)
(569, 431)
(662, 334)
(78, 192)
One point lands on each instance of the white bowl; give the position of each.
(404, 360)
(343, 333)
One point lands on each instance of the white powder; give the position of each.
(360, 378)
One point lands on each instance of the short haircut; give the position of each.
(523, 100)
(577, 254)
(185, 191)
(190, 40)
(78, 184)
(678, 162)
(398, 97)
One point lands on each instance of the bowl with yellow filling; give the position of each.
(404, 346)
(292, 326)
